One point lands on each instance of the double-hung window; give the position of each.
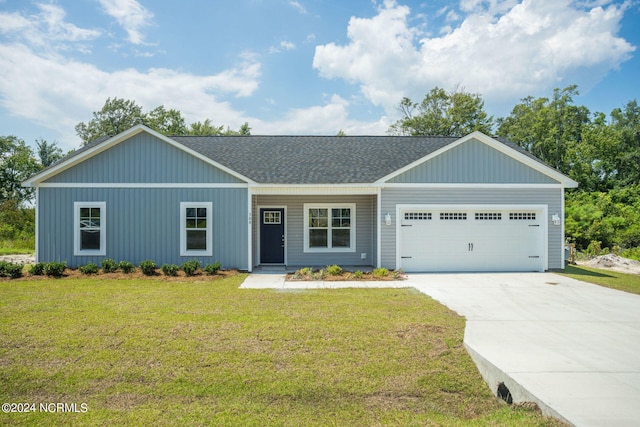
(330, 227)
(195, 229)
(89, 228)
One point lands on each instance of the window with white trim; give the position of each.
(89, 228)
(195, 229)
(330, 227)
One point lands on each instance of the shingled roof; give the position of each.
(314, 159)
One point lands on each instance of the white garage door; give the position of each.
(463, 238)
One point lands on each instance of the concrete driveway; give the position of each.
(571, 347)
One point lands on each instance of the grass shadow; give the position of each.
(579, 271)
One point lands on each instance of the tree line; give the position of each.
(599, 151)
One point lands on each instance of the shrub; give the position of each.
(334, 270)
(380, 272)
(90, 268)
(148, 267)
(126, 267)
(397, 274)
(212, 269)
(109, 266)
(358, 274)
(37, 269)
(9, 269)
(55, 269)
(305, 271)
(319, 275)
(170, 269)
(190, 267)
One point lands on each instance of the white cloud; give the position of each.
(58, 93)
(502, 49)
(45, 30)
(131, 15)
(284, 45)
(326, 119)
(298, 6)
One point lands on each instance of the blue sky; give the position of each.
(303, 66)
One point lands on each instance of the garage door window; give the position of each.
(488, 216)
(522, 216)
(453, 216)
(417, 216)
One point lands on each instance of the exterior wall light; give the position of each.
(555, 218)
(387, 219)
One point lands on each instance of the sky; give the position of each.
(304, 66)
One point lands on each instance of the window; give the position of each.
(522, 216)
(329, 228)
(195, 229)
(488, 216)
(453, 216)
(89, 220)
(417, 216)
(271, 217)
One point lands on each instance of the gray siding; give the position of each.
(295, 256)
(473, 162)
(144, 158)
(551, 197)
(143, 223)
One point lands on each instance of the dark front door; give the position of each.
(272, 236)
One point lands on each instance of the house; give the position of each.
(474, 203)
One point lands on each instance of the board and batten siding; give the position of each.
(143, 158)
(295, 255)
(143, 223)
(473, 162)
(552, 197)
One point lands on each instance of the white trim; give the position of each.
(543, 209)
(329, 206)
(504, 149)
(314, 189)
(183, 229)
(259, 226)
(140, 185)
(249, 230)
(563, 238)
(129, 133)
(468, 185)
(37, 255)
(379, 229)
(77, 251)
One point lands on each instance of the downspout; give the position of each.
(249, 230)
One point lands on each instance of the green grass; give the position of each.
(150, 352)
(12, 247)
(610, 279)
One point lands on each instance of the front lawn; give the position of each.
(167, 353)
(610, 279)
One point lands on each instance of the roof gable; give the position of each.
(478, 158)
(143, 158)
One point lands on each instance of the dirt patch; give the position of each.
(613, 262)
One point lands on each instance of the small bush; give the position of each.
(397, 274)
(90, 268)
(9, 269)
(380, 272)
(358, 274)
(190, 267)
(109, 266)
(37, 269)
(170, 269)
(126, 267)
(334, 270)
(305, 271)
(55, 269)
(319, 275)
(148, 267)
(212, 269)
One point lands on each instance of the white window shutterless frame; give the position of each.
(89, 228)
(196, 238)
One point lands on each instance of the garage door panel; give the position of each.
(487, 240)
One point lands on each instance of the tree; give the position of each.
(627, 122)
(16, 165)
(207, 129)
(443, 113)
(117, 115)
(166, 122)
(547, 128)
(48, 153)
